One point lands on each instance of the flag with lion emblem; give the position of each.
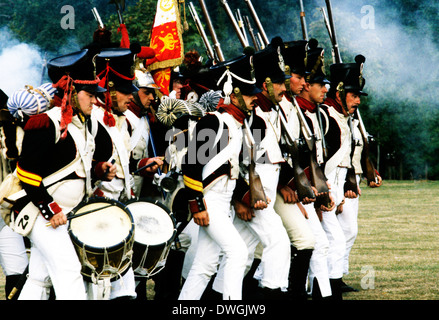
(167, 42)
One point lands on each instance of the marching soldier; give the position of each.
(211, 181)
(347, 84)
(264, 227)
(147, 133)
(287, 205)
(342, 101)
(53, 142)
(312, 95)
(19, 107)
(114, 66)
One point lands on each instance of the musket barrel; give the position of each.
(252, 34)
(97, 17)
(216, 44)
(258, 22)
(234, 23)
(334, 38)
(241, 24)
(303, 21)
(201, 31)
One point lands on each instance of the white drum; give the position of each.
(155, 231)
(103, 238)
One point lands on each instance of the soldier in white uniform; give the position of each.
(343, 99)
(351, 75)
(288, 205)
(210, 171)
(54, 170)
(313, 94)
(114, 67)
(264, 227)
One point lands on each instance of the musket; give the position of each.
(318, 113)
(328, 28)
(318, 179)
(369, 168)
(241, 24)
(201, 31)
(252, 34)
(120, 6)
(258, 22)
(303, 21)
(301, 181)
(234, 23)
(216, 44)
(256, 188)
(261, 42)
(97, 17)
(333, 37)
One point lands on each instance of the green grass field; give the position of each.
(396, 254)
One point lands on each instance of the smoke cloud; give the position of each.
(20, 64)
(401, 62)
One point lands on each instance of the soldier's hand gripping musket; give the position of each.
(301, 181)
(256, 189)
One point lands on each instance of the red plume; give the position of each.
(125, 41)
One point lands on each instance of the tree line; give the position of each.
(405, 126)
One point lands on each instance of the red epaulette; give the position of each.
(38, 121)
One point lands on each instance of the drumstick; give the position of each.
(69, 217)
(144, 167)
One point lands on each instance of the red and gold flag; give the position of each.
(167, 42)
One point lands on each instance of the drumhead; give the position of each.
(103, 228)
(153, 223)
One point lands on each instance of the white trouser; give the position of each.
(295, 223)
(13, 257)
(218, 238)
(348, 220)
(190, 237)
(334, 232)
(53, 257)
(267, 228)
(318, 265)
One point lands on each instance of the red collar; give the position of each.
(264, 103)
(306, 105)
(332, 103)
(231, 109)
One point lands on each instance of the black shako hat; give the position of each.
(315, 63)
(269, 63)
(79, 66)
(294, 55)
(351, 74)
(115, 68)
(236, 73)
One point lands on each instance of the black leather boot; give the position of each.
(298, 273)
(336, 288)
(10, 282)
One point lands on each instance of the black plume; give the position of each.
(313, 43)
(249, 51)
(359, 59)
